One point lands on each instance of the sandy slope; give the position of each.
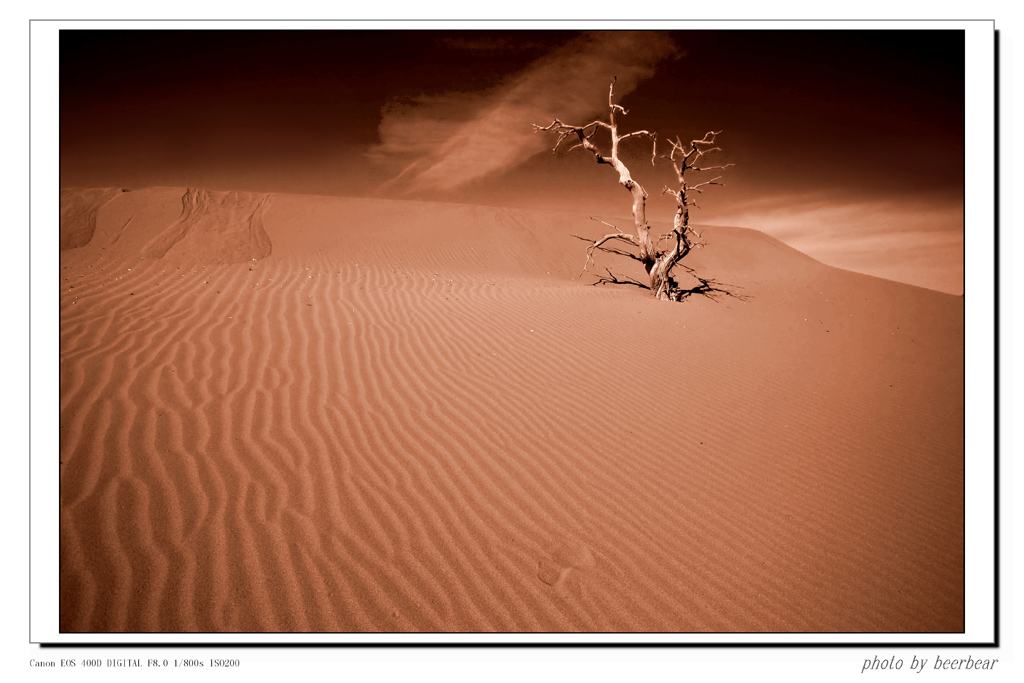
(297, 413)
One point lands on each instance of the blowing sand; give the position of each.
(298, 413)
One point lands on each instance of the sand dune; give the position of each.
(299, 413)
(78, 208)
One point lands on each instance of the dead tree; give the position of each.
(683, 160)
(657, 262)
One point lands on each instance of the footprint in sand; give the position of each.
(564, 559)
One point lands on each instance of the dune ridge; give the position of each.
(223, 215)
(404, 416)
(78, 208)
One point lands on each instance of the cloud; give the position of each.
(814, 218)
(918, 240)
(441, 142)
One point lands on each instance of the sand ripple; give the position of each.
(424, 432)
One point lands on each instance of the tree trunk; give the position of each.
(657, 265)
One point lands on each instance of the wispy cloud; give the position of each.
(918, 240)
(440, 142)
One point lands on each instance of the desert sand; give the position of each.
(302, 413)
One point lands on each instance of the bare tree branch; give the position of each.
(565, 130)
(611, 236)
(713, 181)
(606, 223)
(710, 168)
(635, 189)
(708, 139)
(657, 262)
(652, 136)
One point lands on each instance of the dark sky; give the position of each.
(831, 132)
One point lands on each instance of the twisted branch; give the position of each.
(684, 157)
(599, 244)
(584, 135)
